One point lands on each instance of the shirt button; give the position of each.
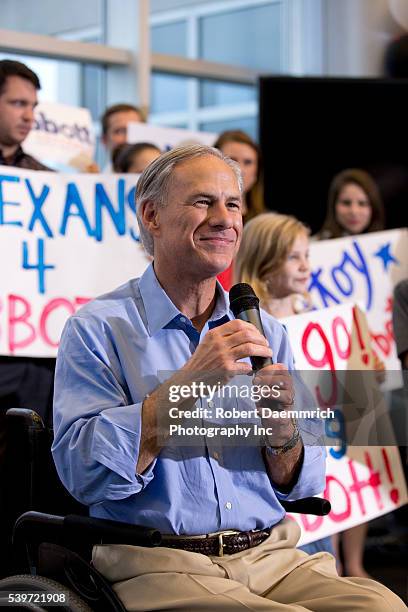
(216, 455)
(211, 404)
(228, 506)
(183, 319)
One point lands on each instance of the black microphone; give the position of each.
(244, 303)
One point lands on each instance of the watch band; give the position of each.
(280, 450)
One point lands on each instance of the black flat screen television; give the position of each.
(312, 128)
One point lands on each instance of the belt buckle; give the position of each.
(221, 540)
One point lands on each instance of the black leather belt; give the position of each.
(217, 544)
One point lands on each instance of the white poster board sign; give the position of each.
(363, 269)
(167, 138)
(64, 239)
(362, 482)
(61, 134)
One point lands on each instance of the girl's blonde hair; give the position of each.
(266, 242)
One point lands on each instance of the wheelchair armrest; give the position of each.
(31, 418)
(80, 531)
(308, 505)
(104, 531)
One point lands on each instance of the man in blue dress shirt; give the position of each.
(119, 358)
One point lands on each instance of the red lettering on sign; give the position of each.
(80, 301)
(326, 359)
(384, 340)
(343, 353)
(21, 320)
(394, 493)
(372, 482)
(49, 308)
(340, 489)
(23, 327)
(365, 357)
(311, 524)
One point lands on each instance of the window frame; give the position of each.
(128, 71)
(195, 114)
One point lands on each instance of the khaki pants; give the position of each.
(272, 576)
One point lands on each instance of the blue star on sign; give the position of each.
(386, 257)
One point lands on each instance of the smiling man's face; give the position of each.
(199, 228)
(17, 102)
(116, 134)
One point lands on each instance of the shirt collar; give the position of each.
(160, 310)
(13, 159)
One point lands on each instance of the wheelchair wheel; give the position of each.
(25, 592)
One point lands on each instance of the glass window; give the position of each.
(248, 37)
(247, 124)
(215, 93)
(170, 38)
(169, 93)
(60, 80)
(93, 90)
(56, 18)
(67, 82)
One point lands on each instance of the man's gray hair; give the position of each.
(153, 183)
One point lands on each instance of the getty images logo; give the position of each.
(72, 130)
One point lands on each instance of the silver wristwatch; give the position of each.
(280, 450)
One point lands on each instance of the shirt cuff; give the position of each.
(116, 445)
(311, 480)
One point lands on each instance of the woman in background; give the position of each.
(241, 148)
(354, 206)
(134, 158)
(237, 145)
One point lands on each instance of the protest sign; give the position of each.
(360, 486)
(61, 134)
(363, 269)
(167, 138)
(64, 240)
(362, 482)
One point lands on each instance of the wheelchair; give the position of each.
(51, 551)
